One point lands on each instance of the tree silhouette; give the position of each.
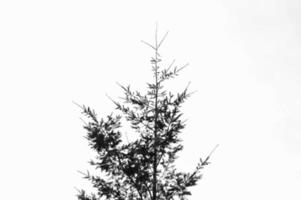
(142, 169)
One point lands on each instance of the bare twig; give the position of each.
(110, 98)
(148, 44)
(83, 121)
(213, 150)
(184, 66)
(173, 61)
(206, 160)
(77, 104)
(162, 40)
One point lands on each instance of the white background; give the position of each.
(244, 63)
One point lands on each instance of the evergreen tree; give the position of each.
(142, 169)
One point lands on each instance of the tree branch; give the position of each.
(131, 179)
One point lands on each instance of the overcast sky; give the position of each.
(244, 60)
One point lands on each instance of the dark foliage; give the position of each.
(142, 169)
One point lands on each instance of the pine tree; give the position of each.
(142, 169)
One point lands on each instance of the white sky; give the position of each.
(244, 60)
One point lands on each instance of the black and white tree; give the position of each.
(143, 169)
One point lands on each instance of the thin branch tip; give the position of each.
(184, 66)
(173, 61)
(148, 44)
(213, 150)
(83, 121)
(78, 190)
(109, 98)
(118, 83)
(162, 40)
(81, 173)
(77, 104)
